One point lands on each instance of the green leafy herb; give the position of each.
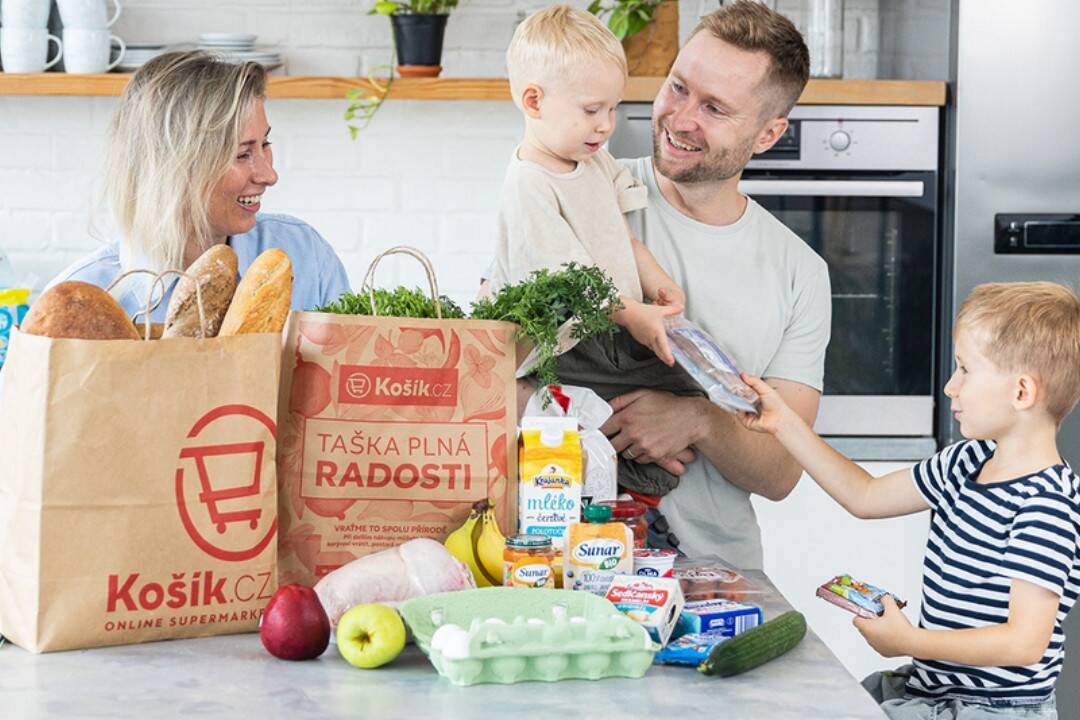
(547, 299)
(627, 17)
(399, 302)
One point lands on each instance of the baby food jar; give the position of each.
(631, 513)
(527, 562)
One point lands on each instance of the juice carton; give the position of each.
(724, 617)
(596, 551)
(655, 603)
(550, 472)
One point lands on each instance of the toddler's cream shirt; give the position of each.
(548, 218)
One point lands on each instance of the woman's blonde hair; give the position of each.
(172, 138)
(556, 42)
(1029, 327)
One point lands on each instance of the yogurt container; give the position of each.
(649, 562)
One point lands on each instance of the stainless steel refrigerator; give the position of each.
(1012, 181)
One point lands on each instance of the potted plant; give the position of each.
(419, 27)
(648, 29)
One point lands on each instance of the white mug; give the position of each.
(24, 50)
(24, 14)
(87, 51)
(86, 14)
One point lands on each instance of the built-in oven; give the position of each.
(859, 185)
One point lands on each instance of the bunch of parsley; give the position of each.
(548, 298)
(399, 302)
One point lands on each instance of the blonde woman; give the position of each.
(188, 160)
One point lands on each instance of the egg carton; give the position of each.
(509, 635)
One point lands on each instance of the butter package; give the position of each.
(596, 551)
(722, 617)
(690, 649)
(550, 472)
(655, 603)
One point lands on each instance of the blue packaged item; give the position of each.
(723, 617)
(13, 308)
(690, 649)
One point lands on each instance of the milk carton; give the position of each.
(550, 472)
(655, 603)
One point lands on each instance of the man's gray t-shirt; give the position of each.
(764, 294)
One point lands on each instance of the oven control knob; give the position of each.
(839, 140)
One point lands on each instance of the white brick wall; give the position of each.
(424, 173)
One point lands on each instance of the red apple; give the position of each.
(294, 625)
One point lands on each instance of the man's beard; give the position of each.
(716, 166)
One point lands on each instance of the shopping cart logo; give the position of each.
(225, 521)
(391, 385)
(358, 385)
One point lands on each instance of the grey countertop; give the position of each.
(233, 677)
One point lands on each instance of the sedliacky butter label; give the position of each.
(655, 603)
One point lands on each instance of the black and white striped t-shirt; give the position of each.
(981, 538)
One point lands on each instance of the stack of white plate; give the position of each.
(240, 47)
(138, 54)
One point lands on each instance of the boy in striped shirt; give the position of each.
(1001, 569)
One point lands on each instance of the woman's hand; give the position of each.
(889, 634)
(772, 410)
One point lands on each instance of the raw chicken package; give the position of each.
(702, 357)
(390, 429)
(413, 569)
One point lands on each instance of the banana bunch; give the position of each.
(479, 544)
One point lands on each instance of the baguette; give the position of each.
(215, 271)
(76, 309)
(263, 297)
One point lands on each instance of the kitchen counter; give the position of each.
(233, 677)
(638, 89)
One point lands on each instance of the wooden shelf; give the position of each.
(639, 89)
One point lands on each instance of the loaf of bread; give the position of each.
(215, 271)
(75, 309)
(263, 297)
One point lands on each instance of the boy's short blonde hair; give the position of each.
(556, 42)
(1030, 327)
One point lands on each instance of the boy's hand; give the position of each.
(667, 296)
(646, 325)
(889, 634)
(772, 410)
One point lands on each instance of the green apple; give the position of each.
(369, 636)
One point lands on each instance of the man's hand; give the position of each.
(889, 634)
(649, 426)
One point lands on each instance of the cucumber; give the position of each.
(756, 646)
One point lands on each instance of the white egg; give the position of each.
(448, 636)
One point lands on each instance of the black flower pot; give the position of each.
(419, 41)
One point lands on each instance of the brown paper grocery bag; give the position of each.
(391, 428)
(138, 491)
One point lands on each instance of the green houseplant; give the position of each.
(418, 29)
(648, 29)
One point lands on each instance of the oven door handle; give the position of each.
(833, 188)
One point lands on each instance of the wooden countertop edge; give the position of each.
(639, 89)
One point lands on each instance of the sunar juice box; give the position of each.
(596, 551)
(550, 468)
(654, 603)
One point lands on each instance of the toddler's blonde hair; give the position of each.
(559, 41)
(1030, 327)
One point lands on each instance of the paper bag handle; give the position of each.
(433, 284)
(151, 305)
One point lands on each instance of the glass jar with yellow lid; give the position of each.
(527, 562)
